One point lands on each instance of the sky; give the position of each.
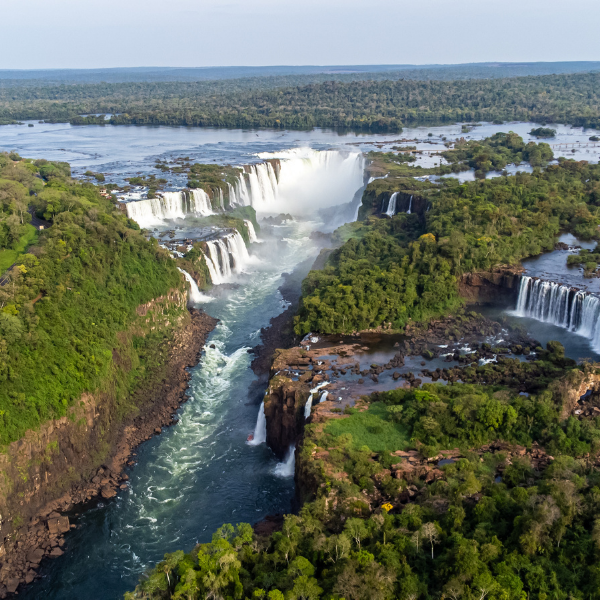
(195, 33)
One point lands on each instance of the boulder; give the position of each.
(58, 525)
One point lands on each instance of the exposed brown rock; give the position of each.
(47, 491)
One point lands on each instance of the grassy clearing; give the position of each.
(8, 257)
(371, 428)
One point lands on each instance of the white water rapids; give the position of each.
(201, 473)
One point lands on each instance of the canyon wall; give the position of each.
(81, 455)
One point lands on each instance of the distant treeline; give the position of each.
(361, 105)
(286, 76)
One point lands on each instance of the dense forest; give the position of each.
(391, 271)
(438, 492)
(381, 105)
(485, 489)
(73, 287)
(286, 76)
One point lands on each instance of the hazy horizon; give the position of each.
(70, 35)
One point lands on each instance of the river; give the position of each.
(201, 472)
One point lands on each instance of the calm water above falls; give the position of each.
(200, 473)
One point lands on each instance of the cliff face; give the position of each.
(81, 455)
(284, 411)
(490, 287)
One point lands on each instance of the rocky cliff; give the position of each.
(81, 456)
(490, 287)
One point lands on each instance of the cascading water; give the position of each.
(392, 205)
(309, 402)
(286, 468)
(391, 209)
(226, 256)
(562, 306)
(171, 205)
(306, 180)
(196, 296)
(260, 431)
(251, 233)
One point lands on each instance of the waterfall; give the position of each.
(171, 205)
(195, 296)
(391, 209)
(306, 180)
(562, 306)
(309, 402)
(323, 397)
(260, 431)
(251, 233)
(226, 256)
(308, 407)
(392, 203)
(286, 468)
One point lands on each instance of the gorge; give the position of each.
(204, 471)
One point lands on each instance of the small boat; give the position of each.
(250, 437)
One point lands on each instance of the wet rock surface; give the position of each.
(333, 372)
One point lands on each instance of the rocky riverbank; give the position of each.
(62, 459)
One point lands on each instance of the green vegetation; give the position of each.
(543, 132)
(494, 153)
(375, 105)
(371, 428)
(407, 268)
(67, 305)
(99, 177)
(9, 255)
(501, 519)
(588, 259)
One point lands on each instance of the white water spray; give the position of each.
(195, 295)
(251, 233)
(306, 180)
(171, 205)
(260, 430)
(391, 209)
(286, 468)
(562, 306)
